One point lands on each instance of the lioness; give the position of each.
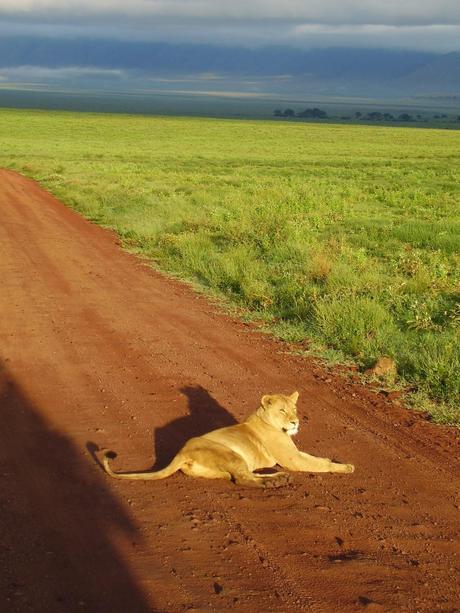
(234, 452)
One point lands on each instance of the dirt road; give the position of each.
(97, 350)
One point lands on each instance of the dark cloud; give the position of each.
(415, 24)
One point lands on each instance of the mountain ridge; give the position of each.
(340, 68)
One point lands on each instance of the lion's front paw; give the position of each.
(342, 468)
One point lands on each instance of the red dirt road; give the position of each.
(96, 349)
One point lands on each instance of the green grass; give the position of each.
(348, 236)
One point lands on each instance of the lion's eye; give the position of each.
(283, 411)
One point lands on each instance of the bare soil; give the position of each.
(98, 350)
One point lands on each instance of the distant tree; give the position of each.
(319, 114)
(358, 115)
(375, 116)
(314, 113)
(419, 117)
(288, 113)
(458, 118)
(405, 117)
(388, 117)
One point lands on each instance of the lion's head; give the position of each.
(281, 412)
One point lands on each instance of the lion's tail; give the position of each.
(174, 466)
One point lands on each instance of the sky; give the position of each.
(431, 25)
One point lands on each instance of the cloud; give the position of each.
(36, 74)
(431, 24)
(383, 12)
(435, 37)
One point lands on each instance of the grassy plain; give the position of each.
(347, 237)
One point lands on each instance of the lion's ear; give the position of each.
(266, 401)
(294, 397)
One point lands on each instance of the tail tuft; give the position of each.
(111, 455)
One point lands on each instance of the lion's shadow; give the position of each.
(205, 414)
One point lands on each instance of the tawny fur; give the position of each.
(263, 440)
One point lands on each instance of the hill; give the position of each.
(274, 68)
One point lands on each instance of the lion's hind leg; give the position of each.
(233, 468)
(209, 461)
(250, 479)
(216, 461)
(195, 468)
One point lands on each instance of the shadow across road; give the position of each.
(57, 519)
